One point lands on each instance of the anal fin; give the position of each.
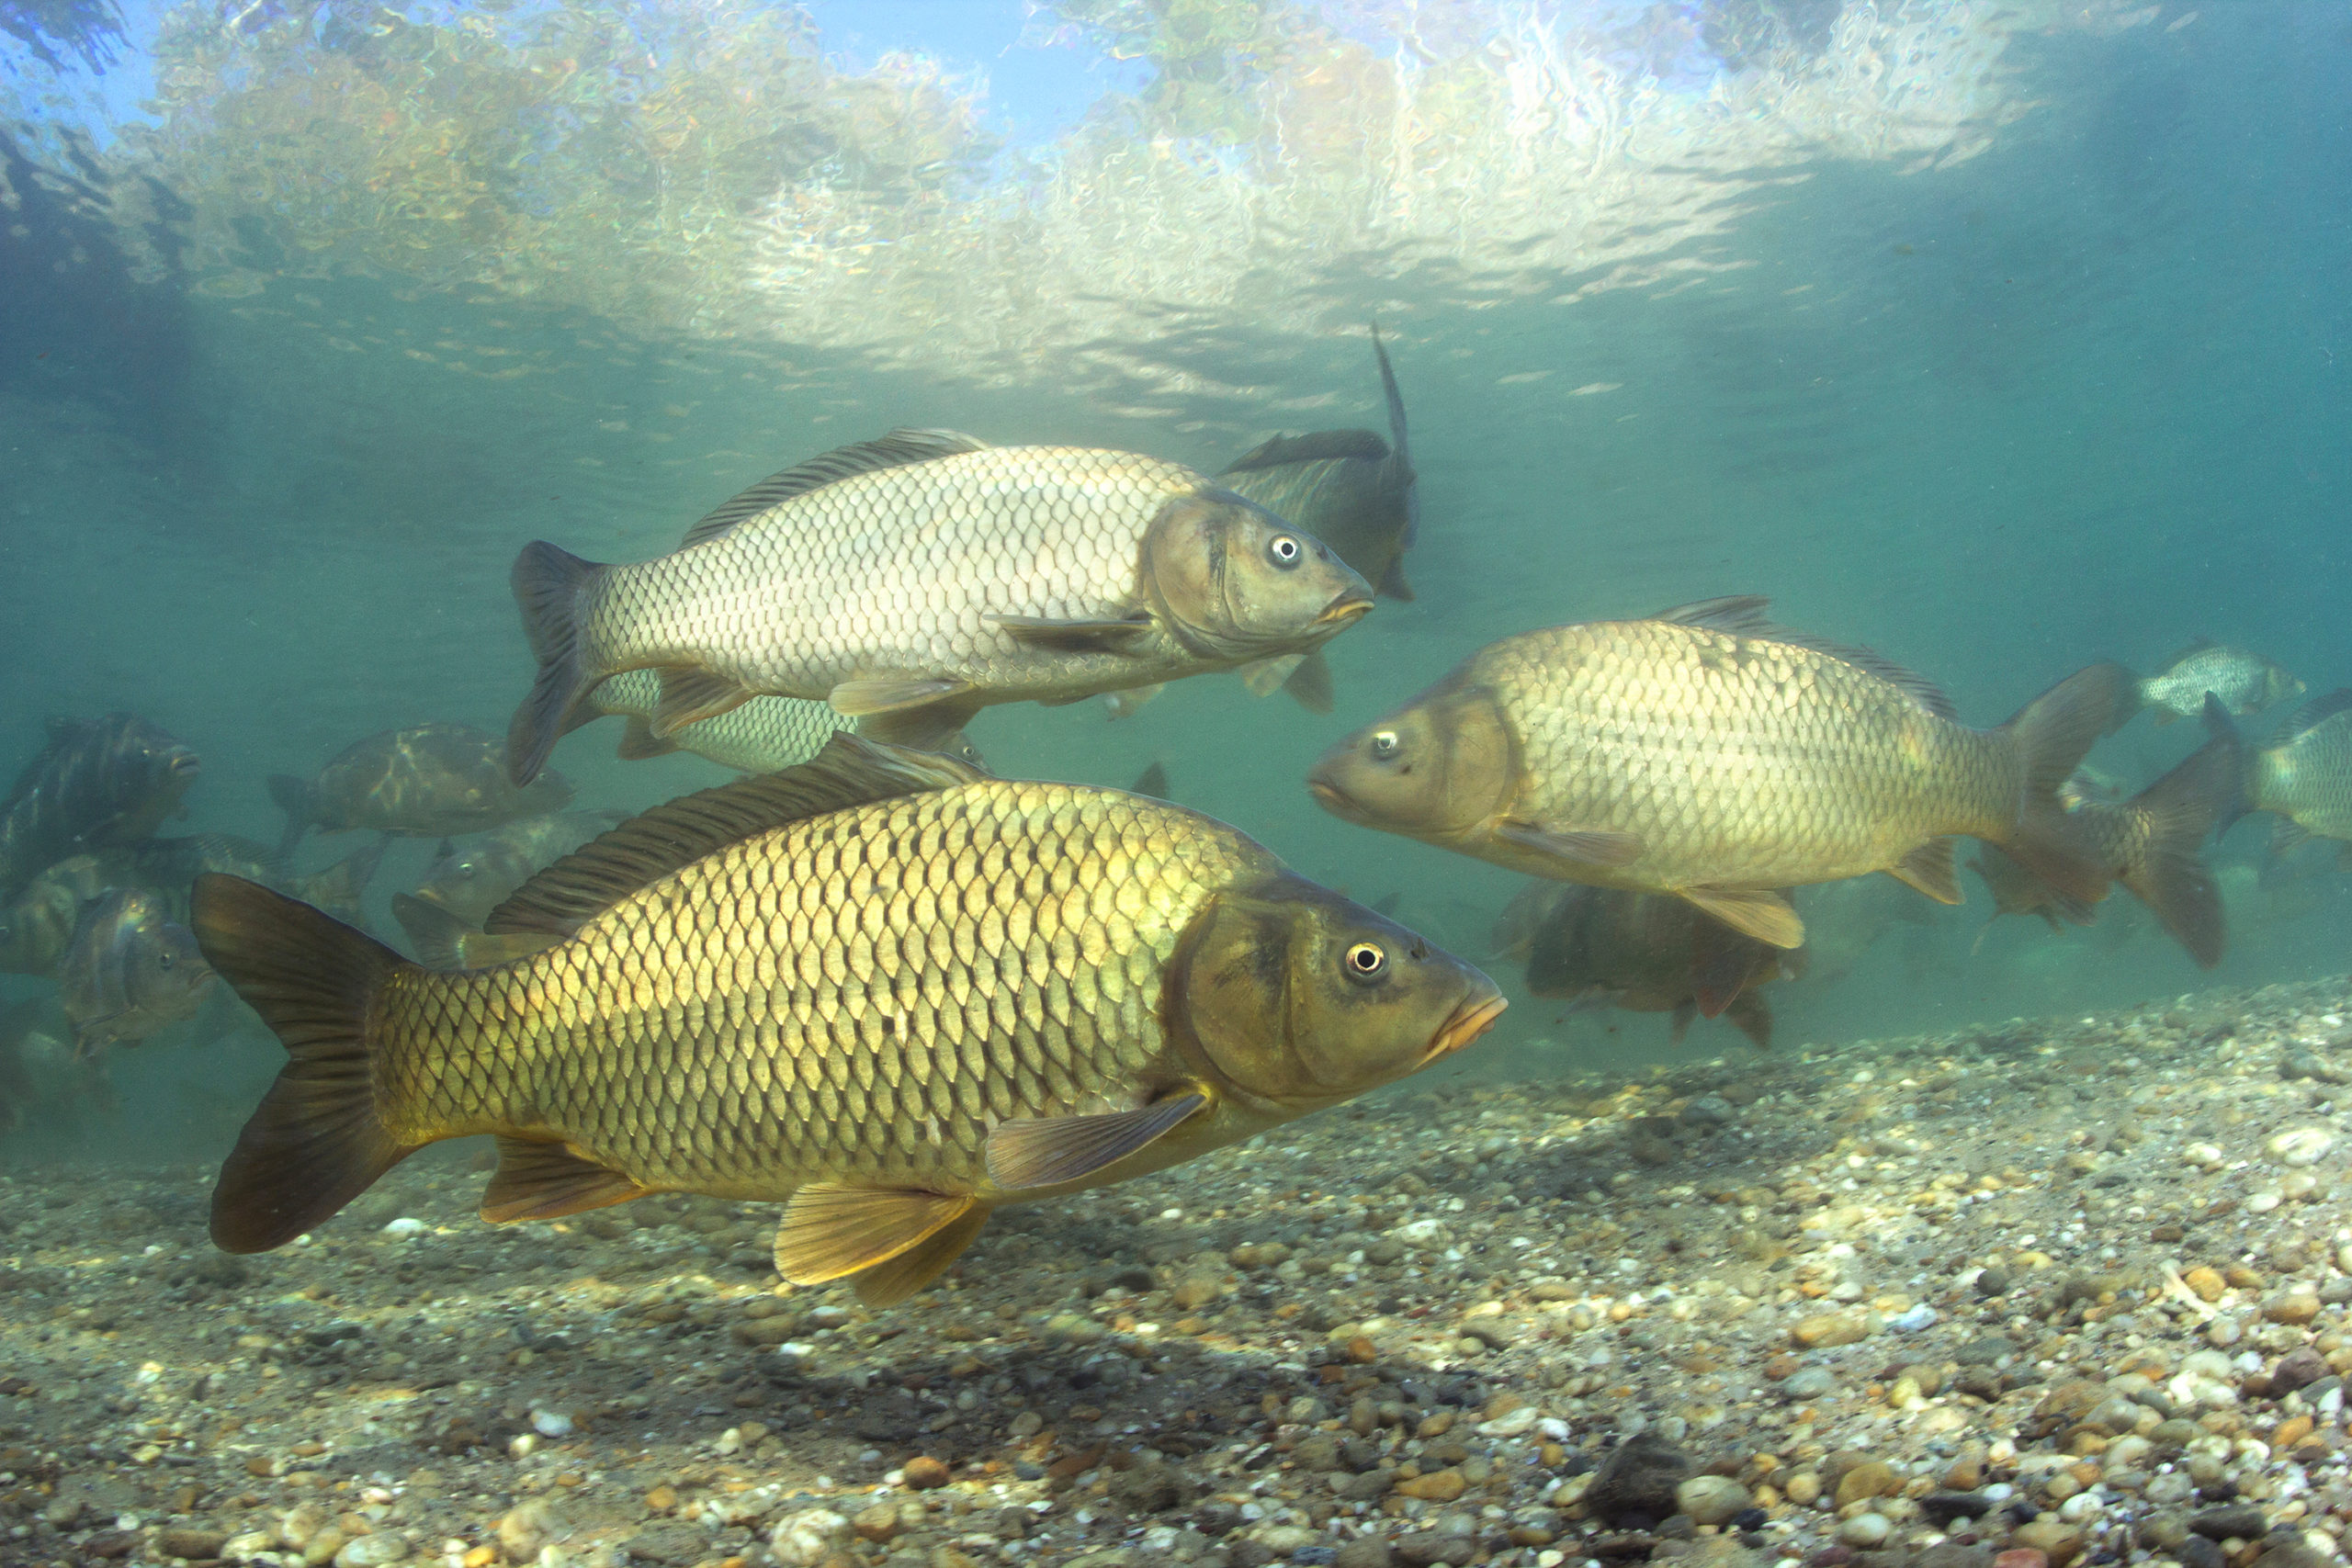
(639, 741)
(832, 1231)
(1120, 704)
(1753, 1015)
(1052, 1151)
(690, 695)
(547, 1182)
(1265, 677)
(1759, 912)
(1929, 869)
(889, 1283)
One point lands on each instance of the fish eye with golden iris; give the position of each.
(1175, 784)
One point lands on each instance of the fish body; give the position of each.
(2244, 682)
(471, 879)
(1348, 487)
(918, 578)
(1704, 754)
(884, 986)
(40, 921)
(2153, 844)
(1645, 953)
(426, 781)
(171, 866)
(94, 785)
(2305, 773)
(764, 735)
(130, 971)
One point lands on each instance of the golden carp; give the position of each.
(2305, 775)
(883, 987)
(1706, 754)
(913, 579)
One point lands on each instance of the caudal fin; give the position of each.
(293, 797)
(2170, 875)
(2052, 733)
(548, 589)
(341, 889)
(316, 1141)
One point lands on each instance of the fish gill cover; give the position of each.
(701, 169)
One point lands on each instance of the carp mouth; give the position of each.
(1331, 798)
(1469, 1021)
(183, 764)
(1344, 611)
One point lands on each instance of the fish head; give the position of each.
(1233, 581)
(165, 972)
(1437, 769)
(2279, 686)
(1299, 999)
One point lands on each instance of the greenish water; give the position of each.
(1999, 392)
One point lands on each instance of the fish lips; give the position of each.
(1468, 1021)
(182, 764)
(1352, 605)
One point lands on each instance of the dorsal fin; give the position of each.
(849, 772)
(895, 450)
(1744, 613)
(2316, 712)
(1315, 446)
(1404, 453)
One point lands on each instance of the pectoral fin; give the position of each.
(1086, 635)
(1055, 1150)
(1576, 851)
(1265, 677)
(2287, 836)
(1759, 912)
(890, 1283)
(832, 1231)
(1393, 581)
(859, 698)
(1122, 704)
(690, 695)
(1310, 685)
(547, 1182)
(1929, 869)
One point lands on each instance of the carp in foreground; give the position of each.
(913, 579)
(1704, 753)
(884, 986)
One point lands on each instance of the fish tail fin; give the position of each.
(2172, 879)
(548, 586)
(2052, 733)
(2240, 800)
(340, 889)
(293, 797)
(317, 1140)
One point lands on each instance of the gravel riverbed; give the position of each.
(2051, 1292)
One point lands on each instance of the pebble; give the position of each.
(805, 1539)
(404, 1226)
(1830, 1329)
(1438, 1486)
(1712, 1499)
(1364, 1551)
(1423, 1547)
(2301, 1145)
(371, 1551)
(924, 1473)
(1865, 1531)
(1864, 1482)
(1811, 1383)
(1513, 1424)
(2242, 1521)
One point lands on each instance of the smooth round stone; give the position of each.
(1712, 1499)
(1866, 1530)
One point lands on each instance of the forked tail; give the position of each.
(316, 1141)
(2053, 734)
(549, 584)
(2175, 812)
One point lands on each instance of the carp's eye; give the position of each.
(1383, 744)
(1284, 551)
(162, 961)
(1367, 961)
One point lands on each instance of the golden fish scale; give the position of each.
(1737, 762)
(2309, 779)
(893, 572)
(860, 994)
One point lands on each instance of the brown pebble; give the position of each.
(878, 1523)
(2242, 1278)
(2292, 1430)
(924, 1472)
(2297, 1307)
(1830, 1329)
(1503, 1404)
(1865, 1481)
(189, 1543)
(2208, 1284)
(2020, 1557)
(1362, 1352)
(1436, 1426)
(1438, 1486)
(1966, 1474)
(661, 1499)
(1781, 1365)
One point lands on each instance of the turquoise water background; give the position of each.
(2081, 395)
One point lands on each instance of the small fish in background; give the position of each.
(1642, 953)
(170, 866)
(913, 579)
(2153, 843)
(94, 785)
(471, 879)
(2246, 682)
(442, 940)
(128, 972)
(37, 924)
(427, 781)
(764, 735)
(1348, 487)
(2304, 777)
(1704, 753)
(1845, 921)
(697, 1021)
(42, 1081)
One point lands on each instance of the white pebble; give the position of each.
(2263, 1203)
(551, 1423)
(1865, 1529)
(406, 1226)
(371, 1551)
(2083, 1506)
(804, 1538)
(2301, 1145)
(1513, 1424)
